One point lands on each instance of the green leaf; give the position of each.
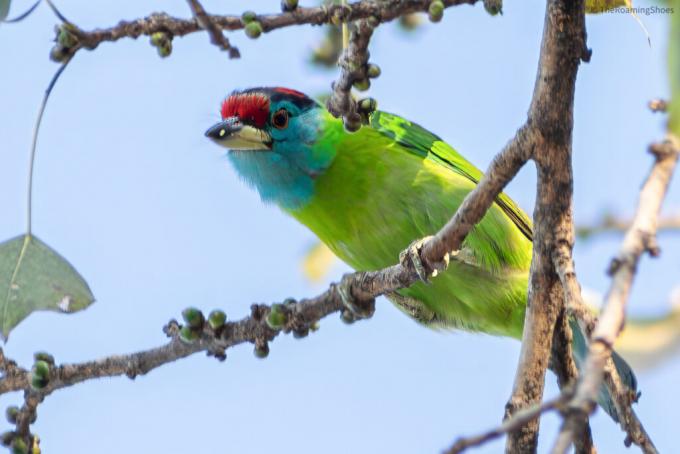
(4, 9)
(34, 277)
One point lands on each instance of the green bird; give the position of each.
(368, 195)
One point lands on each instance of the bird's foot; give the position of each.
(355, 309)
(411, 257)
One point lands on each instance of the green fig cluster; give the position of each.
(252, 26)
(162, 41)
(66, 43)
(289, 5)
(194, 321)
(436, 11)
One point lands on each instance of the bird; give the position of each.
(367, 195)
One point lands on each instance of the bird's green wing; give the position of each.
(422, 142)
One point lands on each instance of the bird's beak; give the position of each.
(231, 133)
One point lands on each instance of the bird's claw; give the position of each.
(354, 309)
(411, 255)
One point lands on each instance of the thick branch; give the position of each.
(551, 116)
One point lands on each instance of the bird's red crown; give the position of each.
(251, 108)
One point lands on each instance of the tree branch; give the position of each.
(613, 224)
(216, 36)
(384, 11)
(354, 69)
(551, 116)
(517, 421)
(640, 238)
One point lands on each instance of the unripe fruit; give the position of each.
(44, 356)
(373, 71)
(41, 369)
(19, 446)
(253, 30)
(352, 125)
(162, 42)
(368, 105)
(362, 85)
(261, 350)
(436, 11)
(347, 317)
(188, 335)
(493, 7)
(11, 413)
(38, 383)
(193, 317)
(248, 16)
(301, 333)
(166, 50)
(216, 319)
(410, 22)
(6, 438)
(158, 38)
(59, 53)
(289, 5)
(277, 317)
(65, 38)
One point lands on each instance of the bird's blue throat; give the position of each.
(285, 175)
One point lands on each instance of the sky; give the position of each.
(153, 216)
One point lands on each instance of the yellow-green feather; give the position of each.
(393, 182)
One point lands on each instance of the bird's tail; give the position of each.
(580, 349)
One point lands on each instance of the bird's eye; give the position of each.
(280, 119)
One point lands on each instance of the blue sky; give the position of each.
(129, 190)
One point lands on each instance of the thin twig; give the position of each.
(353, 63)
(518, 420)
(216, 36)
(612, 224)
